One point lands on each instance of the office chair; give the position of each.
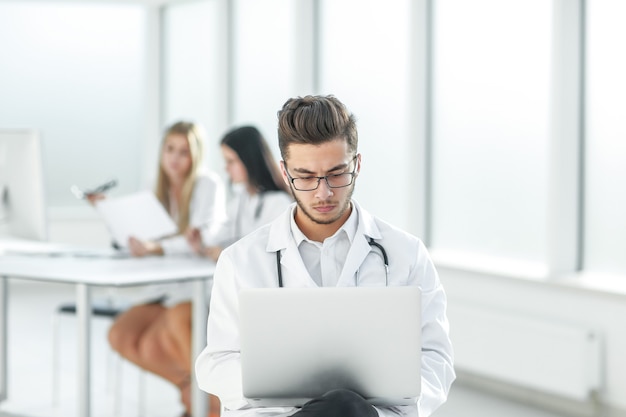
(103, 309)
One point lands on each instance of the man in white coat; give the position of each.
(322, 240)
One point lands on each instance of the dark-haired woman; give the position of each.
(259, 191)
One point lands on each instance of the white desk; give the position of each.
(88, 272)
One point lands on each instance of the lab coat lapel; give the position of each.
(357, 253)
(360, 247)
(294, 272)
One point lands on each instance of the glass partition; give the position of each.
(490, 128)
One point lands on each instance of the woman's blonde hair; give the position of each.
(196, 144)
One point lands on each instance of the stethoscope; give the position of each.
(372, 243)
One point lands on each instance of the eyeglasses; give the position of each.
(333, 181)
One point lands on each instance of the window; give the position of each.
(67, 71)
(605, 138)
(194, 69)
(266, 67)
(364, 61)
(490, 128)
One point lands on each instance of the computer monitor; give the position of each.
(22, 199)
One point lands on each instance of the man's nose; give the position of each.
(323, 190)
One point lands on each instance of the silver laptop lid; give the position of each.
(299, 343)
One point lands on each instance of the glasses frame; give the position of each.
(325, 178)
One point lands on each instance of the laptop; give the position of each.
(299, 343)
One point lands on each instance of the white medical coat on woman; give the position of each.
(245, 213)
(251, 262)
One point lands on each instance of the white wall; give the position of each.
(553, 302)
(79, 230)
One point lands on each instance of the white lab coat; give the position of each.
(251, 262)
(245, 214)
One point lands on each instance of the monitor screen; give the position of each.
(22, 201)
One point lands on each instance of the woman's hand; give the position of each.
(141, 248)
(194, 237)
(212, 252)
(93, 198)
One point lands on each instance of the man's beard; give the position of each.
(343, 207)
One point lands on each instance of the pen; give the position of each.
(102, 188)
(81, 194)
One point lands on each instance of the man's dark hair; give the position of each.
(315, 120)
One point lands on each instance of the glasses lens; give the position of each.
(340, 180)
(305, 184)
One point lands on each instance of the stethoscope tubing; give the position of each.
(371, 242)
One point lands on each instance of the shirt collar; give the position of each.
(349, 227)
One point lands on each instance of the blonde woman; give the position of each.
(156, 334)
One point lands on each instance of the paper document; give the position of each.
(139, 215)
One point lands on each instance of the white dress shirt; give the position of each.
(325, 260)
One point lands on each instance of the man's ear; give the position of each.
(358, 164)
(283, 171)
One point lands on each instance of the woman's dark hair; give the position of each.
(255, 154)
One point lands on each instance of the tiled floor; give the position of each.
(31, 307)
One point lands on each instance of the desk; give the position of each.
(86, 272)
